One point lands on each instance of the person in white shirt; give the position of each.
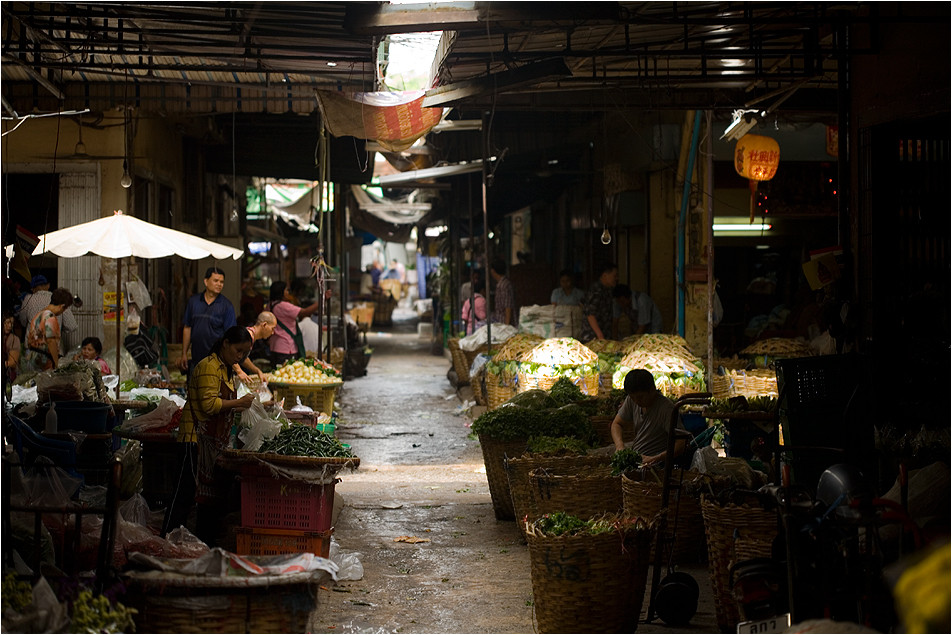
(567, 293)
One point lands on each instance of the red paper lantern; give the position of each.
(756, 159)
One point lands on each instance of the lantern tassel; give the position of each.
(753, 198)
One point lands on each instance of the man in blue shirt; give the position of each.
(207, 316)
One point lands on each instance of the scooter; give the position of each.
(826, 560)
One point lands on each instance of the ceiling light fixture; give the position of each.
(742, 123)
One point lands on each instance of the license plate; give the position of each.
(770, 625)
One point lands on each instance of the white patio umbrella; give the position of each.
(119, 236)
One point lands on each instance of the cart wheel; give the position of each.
(685, 578)
(676, 600)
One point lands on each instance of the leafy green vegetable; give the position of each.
(128, 385)
(536, 399)
(508, 422)
(511, 421)
(557, 446)
(624, 461)
(565, 392)
(563, 524)
(569, 421)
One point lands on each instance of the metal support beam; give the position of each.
(500, 82)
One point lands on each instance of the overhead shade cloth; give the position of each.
(394, 120)
(389, 210)
(372, 223)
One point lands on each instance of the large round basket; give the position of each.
(177, 603)
(592, 491)
(495, 454)
(519, 468)
(587, 383)
(641, 493)
(500, 388)
(734, 533)
(459, 360)
(589, 584)
(602, 424)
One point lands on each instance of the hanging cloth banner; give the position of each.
(394, 120)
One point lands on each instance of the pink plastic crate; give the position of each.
(271, 503)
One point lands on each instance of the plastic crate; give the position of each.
(277, 503)
(252, 541)
(307, 418)
(320, 397)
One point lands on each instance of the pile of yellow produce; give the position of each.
(304, 372)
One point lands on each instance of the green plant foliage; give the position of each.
(536, 399)
(557, 446)
(565, 392)
(625, 460)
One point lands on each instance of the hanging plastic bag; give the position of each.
(256, 427)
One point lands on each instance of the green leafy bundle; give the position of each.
(508, 421)
(624, 461)
(565, 392)
(512, 421)
(563, 524)
(301, 440)
(569, 421)
(557, 446)
(536, 399)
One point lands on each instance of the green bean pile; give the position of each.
(302, 440)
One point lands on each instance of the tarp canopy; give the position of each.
(395, 120)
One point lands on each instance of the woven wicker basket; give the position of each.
(604, 384)
(478, 383)
(641, 493)
(587, 383)
(470, 356)
(603, 428)
(175, 603)
(734, 533)
(590, 492)
(499, 389)
(519, 468)
(459, 360)
(495, 455)
(589, 584)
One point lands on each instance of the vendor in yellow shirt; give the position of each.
(206, 421)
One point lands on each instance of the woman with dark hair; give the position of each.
(43, 334)
(91, 349)
(287, 342)
(206, 420)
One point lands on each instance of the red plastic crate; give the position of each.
(273, 503)
(252, 541)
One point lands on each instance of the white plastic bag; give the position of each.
(257, 427)
(349, 566)
(160, 417)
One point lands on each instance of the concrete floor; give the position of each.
(421, 477)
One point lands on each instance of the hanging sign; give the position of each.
(109, 307)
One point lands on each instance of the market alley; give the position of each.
(419, 513)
